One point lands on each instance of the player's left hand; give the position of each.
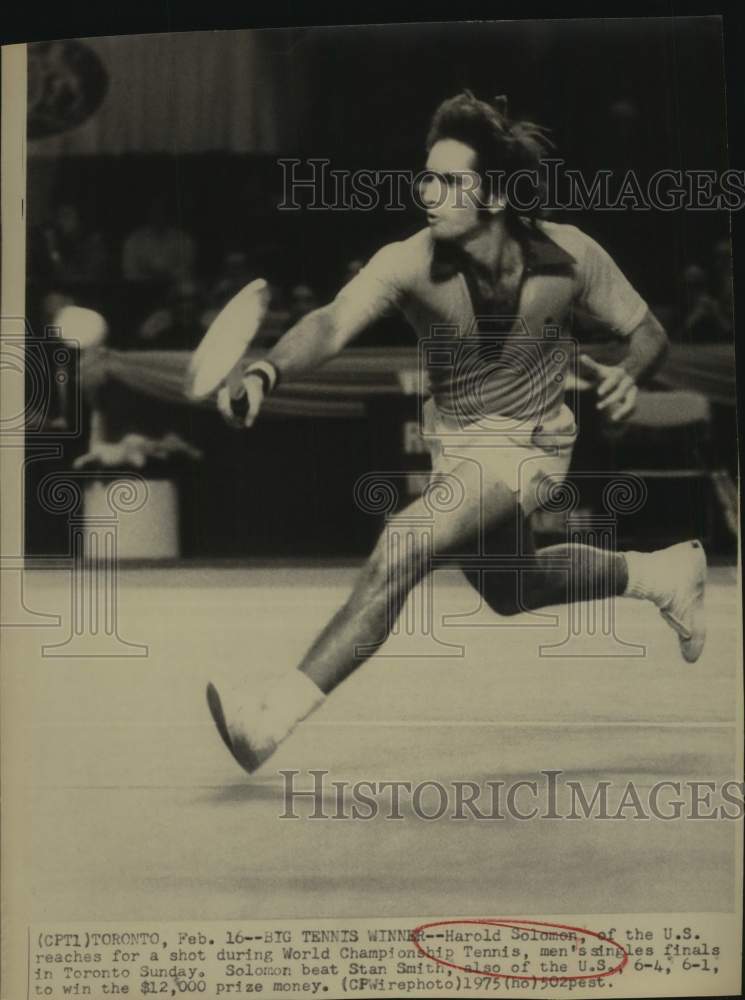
(616, 390)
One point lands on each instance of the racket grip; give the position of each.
(239, 406)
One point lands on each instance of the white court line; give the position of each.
(402, 724)
(524, 725)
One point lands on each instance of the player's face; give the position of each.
(451, 192)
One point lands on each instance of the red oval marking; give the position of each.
(520, 924)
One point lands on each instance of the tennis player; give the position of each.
(499, 278)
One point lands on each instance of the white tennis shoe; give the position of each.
(684, 608)
(253, 722)
(675, 580)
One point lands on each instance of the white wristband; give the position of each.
(267, 372)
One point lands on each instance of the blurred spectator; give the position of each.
(66, 253)
(722, 281)
(235, 273)
(51, 304)
(179, 324)
(303, 299)
(707, 317)
(698, 306)
(352, 269)
(624, 116)
(277, 320)
(386, 331)
(621, 137)
(159, 250)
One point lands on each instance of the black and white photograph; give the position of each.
(371, 600)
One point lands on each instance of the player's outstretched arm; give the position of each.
(315, 339)
(309, 343)
(378, 288)
(312, 341)
(320, 335)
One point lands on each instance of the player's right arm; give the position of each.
(313, 340)
(321, 334)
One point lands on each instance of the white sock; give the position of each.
(648, 576)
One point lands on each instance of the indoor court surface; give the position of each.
(137, 811)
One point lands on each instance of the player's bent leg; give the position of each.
(253, 722)
(369, 613)
(674, 579)
(391, 572)
(558, 574)
(502, 589)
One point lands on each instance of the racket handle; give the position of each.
(239, 406)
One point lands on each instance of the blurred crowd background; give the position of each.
(164, 205)
(164, 201)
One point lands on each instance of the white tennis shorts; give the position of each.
(529, 459)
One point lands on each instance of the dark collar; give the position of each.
(542, 255)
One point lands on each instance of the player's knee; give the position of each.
(502, 596)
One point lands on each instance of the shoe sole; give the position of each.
(218, 717)
(249, 762)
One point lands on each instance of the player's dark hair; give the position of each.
(502, 146)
